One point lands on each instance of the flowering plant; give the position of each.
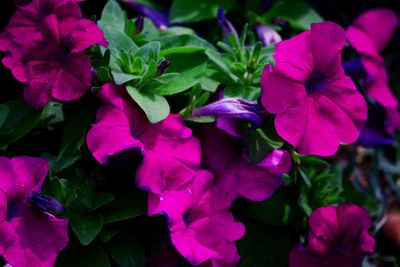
(226, 133)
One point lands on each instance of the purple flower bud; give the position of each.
(46, 204)
(374, 133)
(355, 68)
(163, 66)
(139, 24)
(232, 108)
(159, 19)
(267, 35)
(225, 24)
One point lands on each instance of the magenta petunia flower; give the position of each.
(201, 230)
(57, 66)
(29, 236)
(338, 237)
(235, 175)
(25, 26)
(317, 105)
(369, 34)
(46, 40)
(170, 152)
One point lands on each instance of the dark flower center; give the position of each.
(188, 217)
(315, 83)
(12, 209)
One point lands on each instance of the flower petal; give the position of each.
(327, 40)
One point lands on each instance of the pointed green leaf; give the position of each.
(113, 16)
(184, 11)
(86, 226)
(4, 110)
(150, 51)
(122, 78)
(127, 253)
(156, 107)
(190, 67)
(21, 119)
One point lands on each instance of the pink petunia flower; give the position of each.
(317, 105)
(57, 66)
(25, 26)
(28, 236)
(369, 34)
(170, 152)
(235, 175)
(46, 40)
(338, 237)
(201, 230)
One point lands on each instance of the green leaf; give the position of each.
(101, 199)
(52, 114)
(74, 136)
(20, 120)
(184, 43)
(191, 67)
(149, 32)
(261, 141)
(210, 80)
(129, 205)
(127, 253)
(112, 24)
(299, 14)
(222, 66)
(86, 226)
(113, 16)
(184, 11)
(62, 189)
(251, 93)
(150, 51)
(117, 40)
(275, 211)
(122, 78)
(4, 110)
(156, 107)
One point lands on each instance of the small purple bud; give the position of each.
(232, 108)
(355, 68)
(46, 204)
(163, 66)
(139, 24)
(159, 19)
(267, 35)
(225, 24)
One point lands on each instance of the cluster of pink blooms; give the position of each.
(195, 201)
(193, 181)
(46, 42)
